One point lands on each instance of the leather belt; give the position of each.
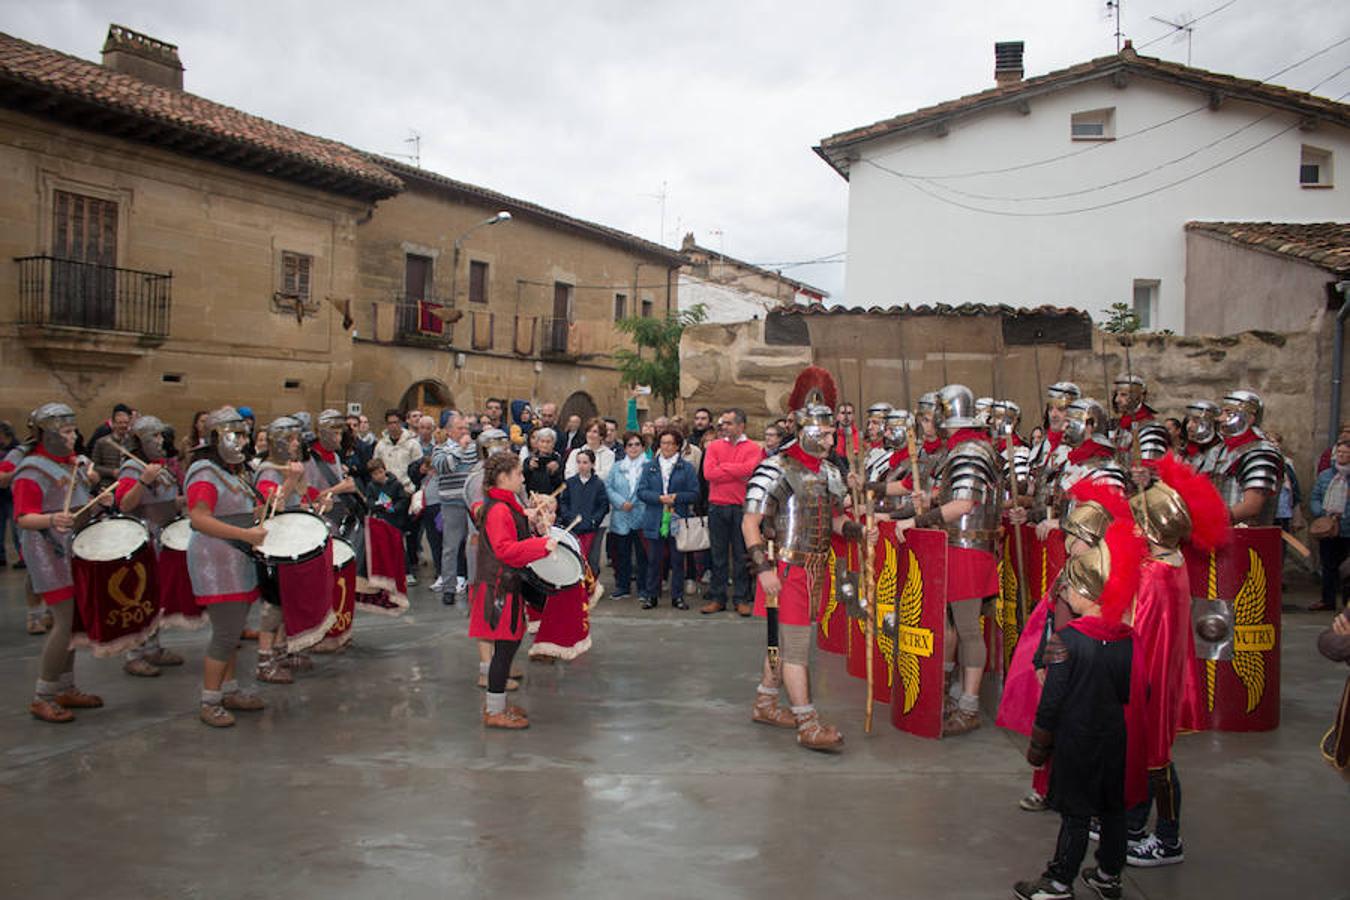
(801, 557)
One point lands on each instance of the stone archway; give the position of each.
(430, 395)
(580, 404)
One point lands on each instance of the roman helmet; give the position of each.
(956, 408)
(149, 433)
(1129, 394)
(1005, 417)
(227, 431)
(984, 410)
(49, 419)
(1180, 506)
(899, 424)
(812, 404)
(1078, 415)
(1108, 572)
(1202, 419)
(1241, 410)
(1094, 506)
(331, 425)
(279, 433)
(490, 440)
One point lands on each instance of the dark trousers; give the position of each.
(425, 523)
(1072, 847)
(1332, 552)
(7, 523)
(727, 548)
(628, 547)
(1164, 787)
(661, 551)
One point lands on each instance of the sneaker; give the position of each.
(461, 586)
(215, 715)
(1095, 831)
(1106, 886)
(140, 666)
(690, 586)
(1151, 852)
(438, 585)
(1032, 802)
(412, 580)
(624, 596)
(1043, 888)
(649, 603)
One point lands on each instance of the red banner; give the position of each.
(889, 569)
(1241, 694)
(306, 591)
(116, 602)
(832, 620)
(176, 600)
(921, 616)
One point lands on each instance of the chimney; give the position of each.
(142, 56)
(1007, 63)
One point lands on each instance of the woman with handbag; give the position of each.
(667, 487)
(1331, 524)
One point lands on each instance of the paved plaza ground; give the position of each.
(641, 776)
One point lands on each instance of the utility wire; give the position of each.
(1145, 130)
(1217, 9)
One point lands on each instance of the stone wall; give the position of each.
(898, 357)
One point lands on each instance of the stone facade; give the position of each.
(220, 232)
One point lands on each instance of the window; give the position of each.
(295, 270)
(84, 242)
(646, 307)
(478, 282)
(620, 307)
(1314, 167)
(1146, 302)
(416, 312)
(1093, 125)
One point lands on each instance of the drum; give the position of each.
(342, 554)
(293, 537)
(560, 569)
(176, 534)
(116, 591)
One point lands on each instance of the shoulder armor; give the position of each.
(1154, 441)
(971, 470)
(834, 480)
(1260, 467)
(1111, 472)
(766, 485)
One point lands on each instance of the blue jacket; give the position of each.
(623, 490)
(1319, 492)
(589, 500)
(683, 484)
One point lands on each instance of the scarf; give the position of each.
(1333, 502)
(1142, 414)
(1088, 450)
(966, 434)
(933, 446)
(667, 464)
(801, 456)
(1054, 437)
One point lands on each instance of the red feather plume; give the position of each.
(813, 378)
(1209, 514)
(1111, 498)
(1128, 549)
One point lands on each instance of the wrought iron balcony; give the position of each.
(65, 293)
(423, 321)
(555, 334)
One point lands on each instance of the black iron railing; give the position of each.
(422, 321)
(555, 332)
(78, 294)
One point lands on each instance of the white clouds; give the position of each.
(588, 106)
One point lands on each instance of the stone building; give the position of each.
(732, 290)
(458, 304)
(163, 249)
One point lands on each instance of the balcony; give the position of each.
(423, 322)
(555, 337)
(87, 315)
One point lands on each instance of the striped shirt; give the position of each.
(452, 464)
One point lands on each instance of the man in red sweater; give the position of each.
(728, 465)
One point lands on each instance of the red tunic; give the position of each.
(1162, 616)
(512, 552)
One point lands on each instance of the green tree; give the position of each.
(660, 368)
(1120, 319)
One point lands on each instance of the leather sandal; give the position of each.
(36, 625)
(49, 711)
(766, 711)
(215, 715)
(162, 656)
(141, 667)
(812, 735)
(78, 699)
(513, 718)
(960, 722)
(245, 701)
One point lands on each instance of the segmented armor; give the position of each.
(970, 471)
(1256, 465)
(799, 504)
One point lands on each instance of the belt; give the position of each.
(801, 557)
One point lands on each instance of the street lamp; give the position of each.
(502, 216)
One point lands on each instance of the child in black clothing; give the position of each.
(385, 495)
(1085, 718)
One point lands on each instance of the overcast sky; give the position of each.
(589, 106)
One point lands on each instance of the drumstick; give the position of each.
(575, 522)
(105, 492)
(1296, 544)
(559, 489)
(163, 474)
(70, 488)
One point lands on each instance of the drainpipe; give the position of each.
(1337, 360)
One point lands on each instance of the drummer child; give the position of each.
(224, 576)
(497, 597)
(281, 482)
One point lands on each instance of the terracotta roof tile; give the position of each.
(833, 149)
(31, 75)
(1324, 244)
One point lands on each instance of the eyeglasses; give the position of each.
(633, 444)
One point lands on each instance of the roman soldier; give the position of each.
(47, 484)
(931, 445)
(967, 507)
(1091, 454)
(39, 616)
(876, 425)
(1203, 441)
(793, 502)
(1137, 418)
(984, 412)
(281, 482)
(1050, 452)
(1180, 506)
(1004, 418)
(338, 496)
(146, 489)
(890, 476)
(1250, 469)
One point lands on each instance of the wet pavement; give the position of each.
(641, 776)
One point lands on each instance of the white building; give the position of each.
(1074, 188)
(735, 291)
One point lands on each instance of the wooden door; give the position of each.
(84, 242)
(416, 288)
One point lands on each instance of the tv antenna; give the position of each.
(1113, 11)
(1182, 29)
(661, 196)
(415, 140)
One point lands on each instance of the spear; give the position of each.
(867, 582)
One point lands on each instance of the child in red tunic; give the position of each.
(497, 598)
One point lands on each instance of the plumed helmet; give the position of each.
(812, 403)
(956, 408)
(1061, 394)
(1108, 572)
(1079, 414)
(1094, 506)
(51, 416)
(1242, 409)
(1181, 505)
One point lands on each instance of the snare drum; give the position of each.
(176, 534)
(295, 536)
(560, 569)
(113, 538)
(342, 554)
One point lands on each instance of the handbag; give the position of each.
(1336, 742)
(1324, 527)
(691, 534)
